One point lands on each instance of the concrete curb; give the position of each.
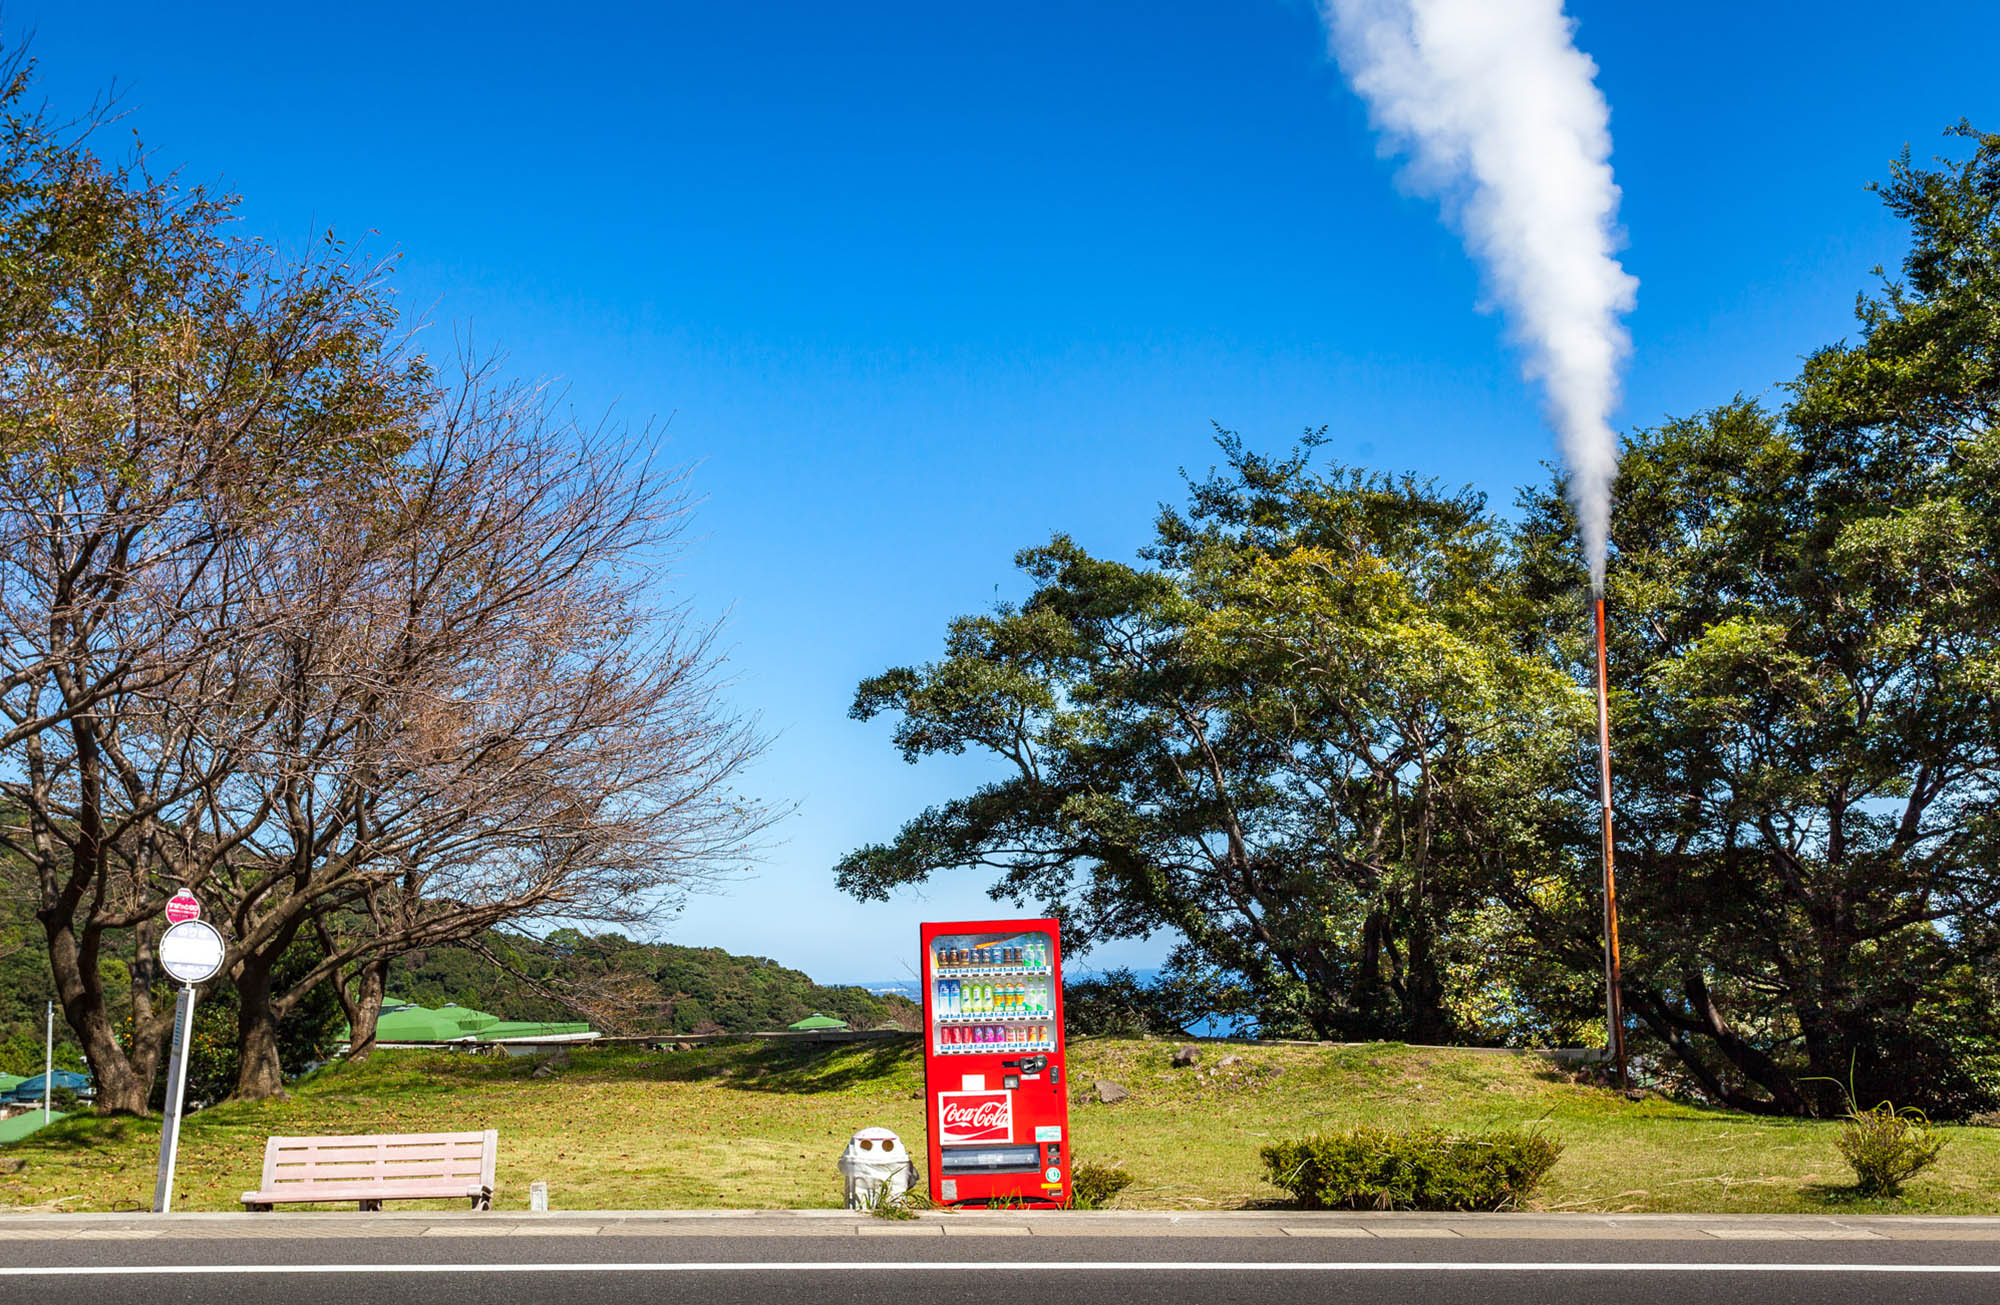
(981, 1223)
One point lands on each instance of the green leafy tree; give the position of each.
(1303, 739)
(1807, 715)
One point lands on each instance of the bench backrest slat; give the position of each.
(401, 1160)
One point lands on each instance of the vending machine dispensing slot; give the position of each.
(993, 1056)
(992, 1160)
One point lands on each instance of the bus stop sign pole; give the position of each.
(190, 951)
(170, 1118)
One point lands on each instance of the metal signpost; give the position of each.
(190, 951)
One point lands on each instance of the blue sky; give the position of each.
(921, 284)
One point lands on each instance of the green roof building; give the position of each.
(404, 1022)
(506, 1029)
(817, 1021)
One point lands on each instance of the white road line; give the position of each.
(992, 1266)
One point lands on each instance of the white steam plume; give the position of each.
(1502, 120)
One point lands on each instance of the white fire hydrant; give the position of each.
(876, 1167)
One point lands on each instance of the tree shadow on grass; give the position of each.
(771, 1067)
(84, 1132)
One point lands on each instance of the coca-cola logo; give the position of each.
(975, 1117)
(990, 1115)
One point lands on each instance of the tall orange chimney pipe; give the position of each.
(1614, 999)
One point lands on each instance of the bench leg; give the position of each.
(371, 1205)
(483, 1202)
(254, 1207)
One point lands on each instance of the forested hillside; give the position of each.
(24, 991)
(623, 986)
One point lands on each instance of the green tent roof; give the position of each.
(8, 1082)
(532, 1029)
(415, 1023)
(409, 1022)
(818, 1021)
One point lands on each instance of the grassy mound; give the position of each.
(759, 1126)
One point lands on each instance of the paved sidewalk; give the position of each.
(1002, 1223)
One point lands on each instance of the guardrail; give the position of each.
(661, 1041)
(530, 1046)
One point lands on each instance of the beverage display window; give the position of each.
(994, 1062)
(993, 990)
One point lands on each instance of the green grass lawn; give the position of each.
(758, 1125)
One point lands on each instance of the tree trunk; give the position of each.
(1691, 1024)
(364, 1008)
(1423, 990)
(124, 1082)
(259, 1073)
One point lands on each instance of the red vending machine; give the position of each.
(998, 1112)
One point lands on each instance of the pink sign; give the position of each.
(182, 906)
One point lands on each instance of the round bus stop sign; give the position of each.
(191, 951)
(183, 906)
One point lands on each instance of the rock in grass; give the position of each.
(1185, 1056)
(1227, 1061)
(1108, 1092)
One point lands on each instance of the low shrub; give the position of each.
(1887, 1147)
(1091, 1187)
(1412, 1169)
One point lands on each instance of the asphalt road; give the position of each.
(778, 1270)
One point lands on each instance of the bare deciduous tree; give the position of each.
(356, 657)
(169, 398)
(478, 717)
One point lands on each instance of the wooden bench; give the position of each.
(378, 1167)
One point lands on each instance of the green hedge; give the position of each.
(1414, 1169)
